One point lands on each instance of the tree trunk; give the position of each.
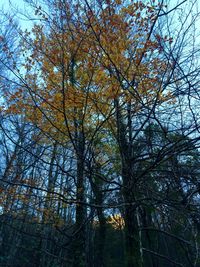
(80, 227)
(132, 238)
(101, 234)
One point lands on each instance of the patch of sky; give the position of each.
(23, 12)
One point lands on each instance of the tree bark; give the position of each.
(80, 227)
(132, 238)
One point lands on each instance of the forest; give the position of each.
(100, 133)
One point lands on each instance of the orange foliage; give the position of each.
(79, 63)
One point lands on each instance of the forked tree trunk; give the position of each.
(132, 238)
(100, 232)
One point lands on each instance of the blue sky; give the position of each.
(14, 5)
(5, 3)
(11, 5)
